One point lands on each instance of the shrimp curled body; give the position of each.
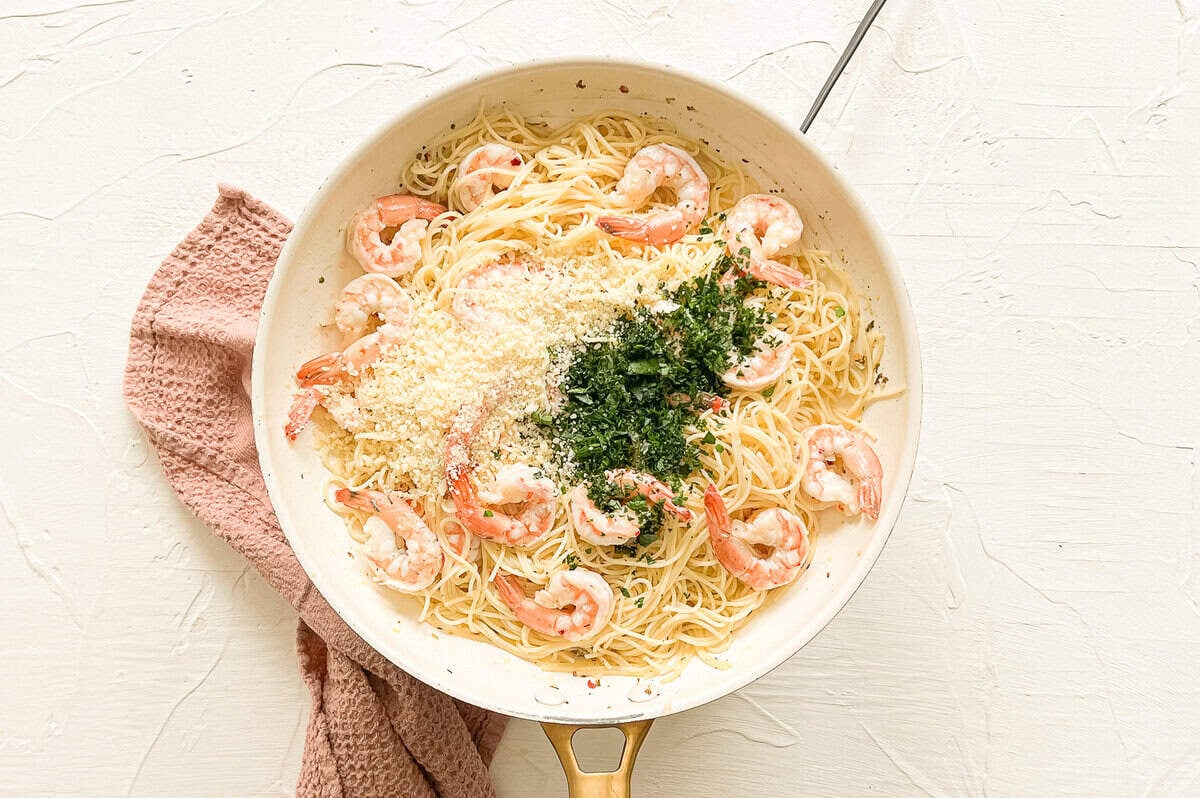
(474, 302)
(604, 529)
(595, 526)
(398, 257)
(484, 170)
(332, 368)
(768, 361)
(759, 227)
(738, 544)
(372, 295)
(826, 444)
(652, 167)
(574, 604)
(521, 504)
(409, 569)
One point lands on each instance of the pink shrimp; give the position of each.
(336, 367)
(653, 489)
(768, 361)
(316, 375)
(758, 227)
(574, 604)
(409, 569)
(492, 279)
(652, 167)
(739, 544)
(825, 445)
(372, 295)
(484, 170)
(522, 504)
(598, 527)
(408, 213)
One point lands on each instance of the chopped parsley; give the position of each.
(639, 602)
(839, 311)
(624, 591)
(630, 399)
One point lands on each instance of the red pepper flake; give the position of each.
(717, 404)
(593, 683)
(515, 161)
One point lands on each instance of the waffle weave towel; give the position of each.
(374, 730)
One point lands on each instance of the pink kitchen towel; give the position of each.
(374, 730)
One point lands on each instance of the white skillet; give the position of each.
(299, 302)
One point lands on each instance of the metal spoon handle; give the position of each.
(840, 66)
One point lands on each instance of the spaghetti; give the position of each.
(537, 279)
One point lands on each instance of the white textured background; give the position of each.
(1032, 628)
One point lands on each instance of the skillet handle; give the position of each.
(610, 784)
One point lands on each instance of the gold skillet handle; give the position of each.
(611, 784)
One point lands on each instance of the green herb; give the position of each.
(624, 591)
(768, 392)
(641, 600)
(709, 438)
(631, 399)
(488, 513)
(572, 562)
(839, 311)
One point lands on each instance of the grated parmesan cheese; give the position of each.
(407, 402)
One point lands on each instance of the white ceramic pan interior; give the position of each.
(296, 325)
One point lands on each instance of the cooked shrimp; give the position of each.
(652, 167)
(760, 226)
(484, 170)
(372, 295)
(522, 503)
(771, 356)
(304, 403)
(343, 408)
(653, 489)
(598, 527)
(826, 445)
(410, 214)
(767, 551)
(338, 366)
(573, 605)
(469, 304)
(325, 370)
(409, 568)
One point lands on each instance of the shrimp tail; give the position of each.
(509, 588)
(355, 500)
(658, 230)
(682, 513)
(719, 523)
(778, 274)
(624, 227)
(869, 497)
(396, 209)
(322, 370)
(302, 409)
